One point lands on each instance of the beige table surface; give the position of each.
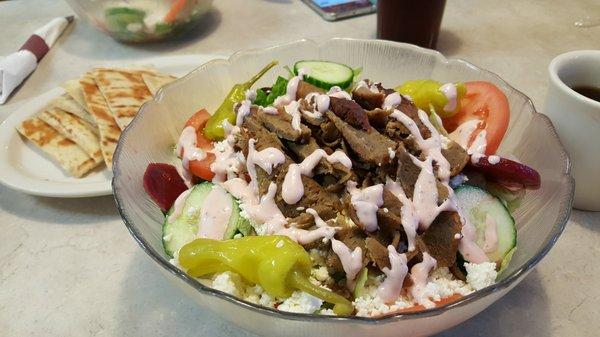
(70, 268)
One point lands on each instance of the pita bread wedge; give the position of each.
(124, 91)
(109, 130)
(68, 155)
(73, 88)
(157, 81)
(73, 128)
(67, 103)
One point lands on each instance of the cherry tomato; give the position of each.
(483, 101)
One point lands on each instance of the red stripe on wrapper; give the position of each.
(37, 46)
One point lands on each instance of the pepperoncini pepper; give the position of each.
(445, 99)
(214, 127)
(275, 262)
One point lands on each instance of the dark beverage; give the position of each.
(412, 21)
(588, 91)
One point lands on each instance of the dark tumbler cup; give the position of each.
(412, 21)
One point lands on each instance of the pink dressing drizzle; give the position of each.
(425, 195)
(270, 110)
(432, 146)
(372, 87)
(351, 260)
(389, 290)
(425, 208)
(267, 159)
(491, 235)
(449, 90)
(337, 92)
(291, 89)
(243, 111)
(462, 134)
(468, 244)
(319, 102)
(477, 149)
(213, 221)
(292, 188)
(391, 101)
(366, 202)
(493, 159)
(187, 149)
(409, 220)
(293, 109)
(419, 275)
(266, 213)
(178, 205)
(228, 162)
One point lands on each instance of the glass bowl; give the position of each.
(530, 137)
(139, 21)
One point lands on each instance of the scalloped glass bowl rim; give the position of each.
(502, 284)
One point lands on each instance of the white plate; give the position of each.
(26, 168)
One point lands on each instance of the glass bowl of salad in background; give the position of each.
(139, 21)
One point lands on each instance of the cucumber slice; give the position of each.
(477, 204)
(184, 228)
(326, 74)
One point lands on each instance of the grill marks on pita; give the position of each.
(124, 92)
(64, 151)
(98, 108)
(81, 128)
(67, 103)
(73, 128)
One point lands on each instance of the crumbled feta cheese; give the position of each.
(481, 275)
(225, 283)
(370, 304)
(318, 256)
(301, 302)
(257, 295)
(320, 274)
(445, 142)
(327, 312)
(442, 284)
(260, 229)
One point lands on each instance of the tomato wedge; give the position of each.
(485, 102)
(201, 168)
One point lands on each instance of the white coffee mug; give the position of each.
(577, 120)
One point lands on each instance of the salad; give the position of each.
(150, 20)
(330, 195)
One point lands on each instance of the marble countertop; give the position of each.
(70, 268)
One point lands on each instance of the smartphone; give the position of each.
(332, 10)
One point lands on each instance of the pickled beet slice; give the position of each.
(508, 173)
(163, 184)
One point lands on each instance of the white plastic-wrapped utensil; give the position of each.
(17, 66)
